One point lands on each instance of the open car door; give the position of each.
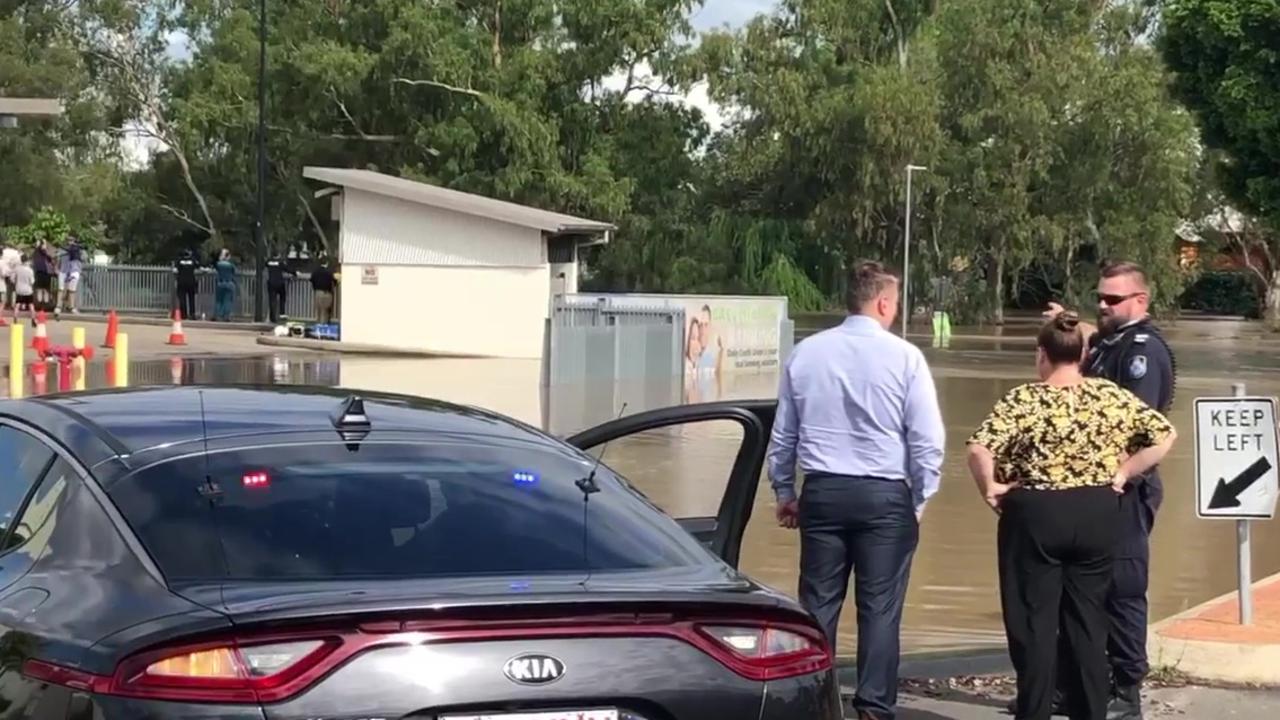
(722, 532)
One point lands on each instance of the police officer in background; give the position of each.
(277, 285)
(184, 271)
(1127, 349)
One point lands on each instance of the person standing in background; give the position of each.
(323, 284)
(224, 292)
(278, 285)
(10, 260)
(858, 414)
(24, 284)
(69, 277)
(44, 266)
(184, 270)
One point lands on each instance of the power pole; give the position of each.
(259, 225)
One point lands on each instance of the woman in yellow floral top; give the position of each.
(1052, 459)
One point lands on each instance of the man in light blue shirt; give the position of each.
(858, 414)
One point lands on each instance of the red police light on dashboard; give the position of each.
(255, 480)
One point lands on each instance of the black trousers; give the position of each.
(1056, 554)
(1127, 609)
(187, 301)
(276, 295)
(867, 527)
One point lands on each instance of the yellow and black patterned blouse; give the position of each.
(1052, 438)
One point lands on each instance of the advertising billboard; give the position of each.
(722, 333)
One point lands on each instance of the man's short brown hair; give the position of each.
(1125, 267)
(867, 280)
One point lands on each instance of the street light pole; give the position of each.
(905, 311)
(259, 225)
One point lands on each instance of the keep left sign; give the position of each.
(1237, 464)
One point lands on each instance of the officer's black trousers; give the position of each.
(187, 301)
(276, 295)
(1056, 556)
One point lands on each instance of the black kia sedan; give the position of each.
(300, 553)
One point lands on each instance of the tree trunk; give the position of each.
(997, 287)
(1271, 312)
(497, 34)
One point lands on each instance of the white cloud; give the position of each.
(735, 13)
(696, 97)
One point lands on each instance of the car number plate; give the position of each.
(558, 715)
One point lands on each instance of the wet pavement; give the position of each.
(952, 602)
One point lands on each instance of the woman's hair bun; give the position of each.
(1067, 321)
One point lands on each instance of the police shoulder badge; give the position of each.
(1138, 367)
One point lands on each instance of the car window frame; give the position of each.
(54, 456)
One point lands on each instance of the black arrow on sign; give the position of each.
(1227, 494)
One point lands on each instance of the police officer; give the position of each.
(1127, 349)
(277, 285)
(184, 270)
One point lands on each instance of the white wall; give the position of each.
(568, 286)
(481, 311)
(448, 282)
(388, 231)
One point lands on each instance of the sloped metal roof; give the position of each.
(457, 201)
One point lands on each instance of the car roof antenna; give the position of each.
(588, 484)
(212, 492)
(352, 422)
(209, 489)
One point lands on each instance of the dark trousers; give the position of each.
(276, 295)
(1056, 555)
(187, 301)
(1127, 601)
(866, 526)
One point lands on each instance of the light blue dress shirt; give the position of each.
(857, 400)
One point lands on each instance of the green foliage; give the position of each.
(47, 226)
(1224, 56)
(1050, 138)
(1224, 293)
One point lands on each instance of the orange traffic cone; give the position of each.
(113, 326)
(176, 337)
(40, 339)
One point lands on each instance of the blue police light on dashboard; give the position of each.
(524, 477)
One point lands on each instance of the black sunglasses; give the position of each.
(1113, 300)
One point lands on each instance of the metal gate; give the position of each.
(594, 340)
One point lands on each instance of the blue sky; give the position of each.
(715, 13)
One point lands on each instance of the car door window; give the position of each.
(23, 459)
(683, 469)
(701, 464)
(39, 516)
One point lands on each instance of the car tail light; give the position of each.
(770, 652)
(229, 672)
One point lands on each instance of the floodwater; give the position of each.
(952, 602)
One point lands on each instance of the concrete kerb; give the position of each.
(347, 348)
(1224, 662)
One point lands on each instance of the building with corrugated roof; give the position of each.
(436, 270)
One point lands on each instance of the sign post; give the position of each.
(1237, 471)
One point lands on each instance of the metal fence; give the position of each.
(596, 341)
(153, 289)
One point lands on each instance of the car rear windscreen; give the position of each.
(393, 510)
